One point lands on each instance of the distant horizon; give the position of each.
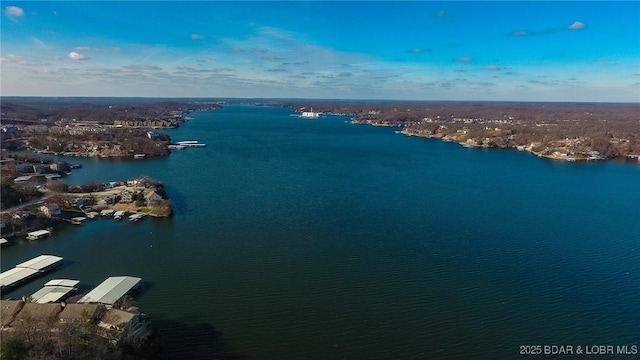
(223, 98)
(378, 50)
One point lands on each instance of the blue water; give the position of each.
(319, 239)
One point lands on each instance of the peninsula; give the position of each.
(94, 127)
(559, 131)
(28, 206)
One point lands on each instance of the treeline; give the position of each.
(611, 129)
(35, 339)
(14, 194)
(102, 111)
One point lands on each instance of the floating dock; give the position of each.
(54, 291)
(108, 212)
(111, 290)
(136, 217)
(190, 143)
(28, 270)
(119, 214)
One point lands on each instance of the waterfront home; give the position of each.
(50, 210)
(9, 309)
(40, 168)
(153, 198)
(120, 320)
(82, 312)
(24, 168)
(110, 200)
(43, 312)
(127, 196)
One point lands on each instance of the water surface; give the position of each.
(319, 239)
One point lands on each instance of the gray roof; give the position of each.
(40, 262)
(15, 275)
(62, 282)
(50, 294)
(111, 290)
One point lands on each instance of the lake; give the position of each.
(319, 239)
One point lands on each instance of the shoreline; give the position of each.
(549, 153)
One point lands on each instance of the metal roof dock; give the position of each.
(38, 234)
(14, 276)
(41, 263)
(28, 269)
(111, 290)
(54, 291)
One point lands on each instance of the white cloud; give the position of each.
(141, 67)
(76, 56)
(197, 36)
(100, 49)
(464, 59)
(577, 25)
(13, 11)
(418, 50)
(11, 58)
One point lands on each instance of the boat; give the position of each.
(119, 214)
(310, 114)
(139, 156)
(176, 147)
(190, 143)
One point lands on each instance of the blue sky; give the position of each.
(520, 51)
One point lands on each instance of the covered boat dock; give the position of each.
(28, 269)
(111, 290)
(54, 291)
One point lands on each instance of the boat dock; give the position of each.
(189, 143)
(54, 291)
(28, 270)
(108, 212)
(119, 214)
(38, 234)
(111, 290)
(137, 216)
